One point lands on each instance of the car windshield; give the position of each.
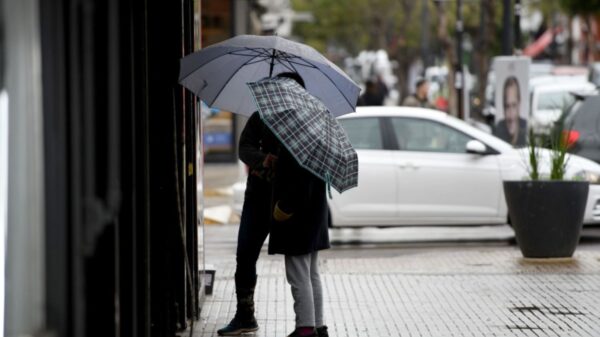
(554, 100)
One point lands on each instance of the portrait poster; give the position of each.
(511, 98)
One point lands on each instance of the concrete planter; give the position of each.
(547, 216)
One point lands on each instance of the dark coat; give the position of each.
(302, 194)
(256, 141)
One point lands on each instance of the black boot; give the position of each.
(322, 331)
(244, 320)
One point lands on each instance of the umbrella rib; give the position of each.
(230, 77)
(279, 60)
(291, 58)
(264, 58)
(243, 53)
(290, 63)
(203, 64)
(239, 52)
(304, 65)
(288, 57)
(288, 67)
(258, 51)
(284, 55)
(292, 66)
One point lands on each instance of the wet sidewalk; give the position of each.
(457, 290)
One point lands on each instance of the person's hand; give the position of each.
(270, 160)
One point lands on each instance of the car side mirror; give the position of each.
(476, 147)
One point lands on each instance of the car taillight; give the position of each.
(571, 137)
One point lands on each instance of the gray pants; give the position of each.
(303, 275)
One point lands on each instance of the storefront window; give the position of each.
(219, 126)
(218, 133)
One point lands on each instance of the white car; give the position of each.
(548, 100)
(423, 167)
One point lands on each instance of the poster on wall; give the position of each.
(218, 131)
(512, 99)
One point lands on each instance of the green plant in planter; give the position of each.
(558, 144)
(533, 155)
(558, 159)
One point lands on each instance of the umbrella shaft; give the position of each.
(272, 63)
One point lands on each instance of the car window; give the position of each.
(364, 133)
(554, 100)
(423, 135)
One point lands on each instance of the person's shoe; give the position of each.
(296, 333)
(322, 331)
(244, 320)
(239, 326)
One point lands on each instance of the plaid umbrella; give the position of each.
(308, 130)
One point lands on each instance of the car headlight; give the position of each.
(591, 177)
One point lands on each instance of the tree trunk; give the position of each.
(448, 47)
(488, 35)
(590, 48)
(400, 52)
(568, 58)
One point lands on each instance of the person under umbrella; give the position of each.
(299, 231)
(315, 154)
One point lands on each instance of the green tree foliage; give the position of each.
(352, 24)
(584, 9)
(356, 25)
(581, 7)
(570, 7)
(373, 24)
(397, 26)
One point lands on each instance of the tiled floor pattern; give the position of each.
(427, 292)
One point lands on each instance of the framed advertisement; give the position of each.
(512, 99)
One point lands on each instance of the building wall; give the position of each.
(25, 298)
(102, 169)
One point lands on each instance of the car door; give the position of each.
(438, 181)
(373, 201)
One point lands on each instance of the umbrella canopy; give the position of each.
(308, 130)
(219, 73)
